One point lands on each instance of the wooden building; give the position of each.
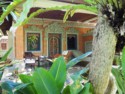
(48, 35)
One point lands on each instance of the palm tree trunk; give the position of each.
(104, 42)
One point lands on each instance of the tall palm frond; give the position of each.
(4, 3)
(7, 22)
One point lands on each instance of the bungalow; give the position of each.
(47, 35)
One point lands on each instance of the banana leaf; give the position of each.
(44, 82)
(66, 90)
(76, 87)
(88, 89)
(58, 71)
(27, 79)
(9, 86)
(120, 82)
(77, 59)
(77, 74)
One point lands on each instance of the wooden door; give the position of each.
(54, 44)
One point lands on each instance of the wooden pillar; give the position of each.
(19, 43)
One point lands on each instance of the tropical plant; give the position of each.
(119, 74)
(2, 60)
(109, 27)
(4, 57)
(9, 13)
(32, 41)
(50, 81)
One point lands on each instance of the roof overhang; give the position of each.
(80, 16)
(50, 3)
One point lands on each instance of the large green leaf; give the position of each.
(76, 87)
(77, 59)
(27, 79)
(9, 86)
(6, 55)
(15, 88)
(21, 88)
(1, 73)
(66, 90)
(77, 74)
(119, 74)
(123, 62)
(58, 71)
(44, 82)
(120, 82)
(88, 89)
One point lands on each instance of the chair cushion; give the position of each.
(29, 61)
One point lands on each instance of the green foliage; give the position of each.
(27, 79)
(91, 1)
(88, 89)
(66, 90)
(120, 82)
(4, 58)
(76, 87)
(68, 13)
(8, 86)
(77, 59)
(47, 81)
(58, 71)
(14, 88)
(71, 10)
(10, 8)
(21, 88)
(23, 19)
(119, 74)
(1, 73)
(77, 75)
(123, 62)
(43, 79)
(26, 8)
(3, 3)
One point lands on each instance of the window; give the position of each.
(33, 41)
(3, 46)
(71, 41)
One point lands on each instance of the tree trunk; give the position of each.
(104, 42)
